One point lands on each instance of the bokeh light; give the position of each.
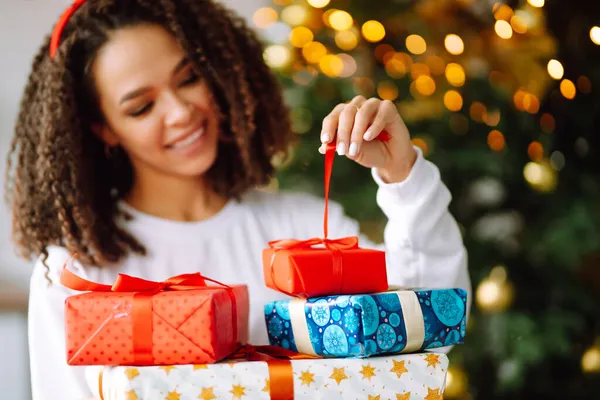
(595, 35)
(503, 29)
(453, 100)
(455, 74)
(314, 51)
(373, 31)
(416, 44)
(346, 40)
(555, 69)
(265, 16)
(340, 20)
(277, 56)
(294, 15)
(318, 3)
(567, 89)
(454, 44)
(301, 36)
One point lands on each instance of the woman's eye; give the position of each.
(141, 111)
(191, 79)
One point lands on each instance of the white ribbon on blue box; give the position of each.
(402, 321)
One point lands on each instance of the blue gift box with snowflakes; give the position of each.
(364, 325)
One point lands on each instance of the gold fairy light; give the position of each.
(595, 35)
(536, 3)
(340, 20)
(346, 40)
(318, 3)
(387, 90)
(373, 31)
(331, 65)
(264, 17)
(555, 69)
(503, 29)
(294, 15)
(436, 64)
(416, 44)
(454, 44)
(455, 74)
(567, 89)
(314, 51)
(477, 111)
(425, 85)
(453, 100)
(518, 24)
(395, 68)
(502, 12)
(277, 56)
(547, 123)
(540, 176)
(531, 103)
(301, 36)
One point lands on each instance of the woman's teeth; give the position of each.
(188, 140)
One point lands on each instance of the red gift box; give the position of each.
(138, 322)
(322, 266)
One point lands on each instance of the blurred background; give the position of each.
(504, 96)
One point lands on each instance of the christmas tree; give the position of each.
(502, 97)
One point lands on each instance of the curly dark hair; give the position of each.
(61, 184)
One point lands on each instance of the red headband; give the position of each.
(60, 25)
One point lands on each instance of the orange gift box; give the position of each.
(322, 266)
(138, 322)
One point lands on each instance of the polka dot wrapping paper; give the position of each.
(404, 377)
(179, 327)
(365, 325)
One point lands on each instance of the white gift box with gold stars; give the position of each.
(400, 377)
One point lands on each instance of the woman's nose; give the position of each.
(178, 111)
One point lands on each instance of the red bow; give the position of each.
(60, 25)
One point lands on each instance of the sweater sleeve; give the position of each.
(51, 376)
(423, 244)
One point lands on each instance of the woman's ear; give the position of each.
(103, 132)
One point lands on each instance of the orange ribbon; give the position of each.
(334, 245)
(60, 26)
(281, 375)
(142, 301)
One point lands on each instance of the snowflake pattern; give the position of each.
(351, 321)
(275, 327)
(386, 337)
(335, 341)
(448, 307)
(320, 312)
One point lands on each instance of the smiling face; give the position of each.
(155, 106)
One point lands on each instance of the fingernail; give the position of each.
(341, 148)
(322, 149)
(367, 135)
(353, 149)
(325, 137)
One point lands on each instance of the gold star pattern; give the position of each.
(237, 391)
(267, 388)
(167, 368)
(433, 394)
(131, 395)
(339, 374)
(432, 360)
(207, 394)
(307, 378)
(403, 396)
(131, 373)
(200, 366)
(367, 371)
(173, 396)
(374, 397)
(399, 368)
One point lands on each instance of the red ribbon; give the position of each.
(142, 301)
(334, 245)
(60, 25)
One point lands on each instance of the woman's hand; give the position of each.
(355, 125)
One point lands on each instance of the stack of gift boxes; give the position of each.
(343, 334)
